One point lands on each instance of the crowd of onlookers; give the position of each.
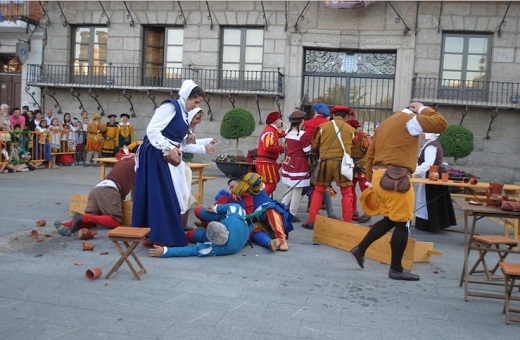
(30, 140)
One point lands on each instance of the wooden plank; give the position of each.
(127, 212)
(345, 236)
(78, 203)
(424, 252)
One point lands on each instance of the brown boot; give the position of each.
(283, 245)
(274, 244)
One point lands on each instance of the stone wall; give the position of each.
(371, 28)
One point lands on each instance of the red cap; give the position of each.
(272, 117)
(347, 109)
(353, 122)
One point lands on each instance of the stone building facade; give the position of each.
(375, 58)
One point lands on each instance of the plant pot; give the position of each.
(86, 234)
(237, 169)
(93, 273)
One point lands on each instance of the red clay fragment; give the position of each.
(104, 253)
(40, 240)
(78, 263)
(34, 233)
(41, 223)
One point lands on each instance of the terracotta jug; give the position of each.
(86, 234)
(433, 175)
(494, 194)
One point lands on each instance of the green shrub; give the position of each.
(457, 142)
(237, 123)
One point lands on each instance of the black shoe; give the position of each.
(404, 275)
(76, 220)
(364, 219)
(295, 219)
(358, 256)
(309, 226)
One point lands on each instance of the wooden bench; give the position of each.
(78, 203)
(130, 237)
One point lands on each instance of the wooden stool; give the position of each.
(511, 273)
(483, 244)
(130, 237)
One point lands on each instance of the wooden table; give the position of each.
(105, 163)
(199, 168)
(195, 168)
(508, 188)
(478, 212)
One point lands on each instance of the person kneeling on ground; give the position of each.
(105, 200)
(226, 236)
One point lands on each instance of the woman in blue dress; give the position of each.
(160, 186)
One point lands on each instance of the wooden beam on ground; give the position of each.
(345, 236)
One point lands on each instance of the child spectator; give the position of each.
(43, 147)
(56, 132)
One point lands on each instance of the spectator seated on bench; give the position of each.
(105, 200)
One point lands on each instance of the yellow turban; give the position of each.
(251, 183)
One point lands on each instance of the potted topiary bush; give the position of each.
(237, 123)
(457, 142)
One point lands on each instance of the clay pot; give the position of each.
(86, 234)
(465, 179)
(93, 273)
(445, 177)
(88, 246)
(473, 180)
(433, 175)
(41, 223)
(494, 194)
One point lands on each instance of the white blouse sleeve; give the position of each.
(430, 153)
(161, 118)
(193, 148)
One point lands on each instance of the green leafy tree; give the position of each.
(457, 142)
(237, 123)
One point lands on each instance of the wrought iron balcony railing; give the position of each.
(28, 11)
(469, 92)
(166, 78)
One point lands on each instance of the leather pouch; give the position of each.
(511, 206)
(395, 179)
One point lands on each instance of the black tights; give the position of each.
(398, 241)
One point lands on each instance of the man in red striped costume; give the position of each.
(269, 149)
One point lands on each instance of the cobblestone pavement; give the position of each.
(312, 291)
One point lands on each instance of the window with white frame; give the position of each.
(242, 53)
(89, 56)
(163, 53)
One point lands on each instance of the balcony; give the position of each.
(27, 11)
(269, 83)
(468, 93)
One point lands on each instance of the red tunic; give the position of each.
(269, 149)
(295, 168)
